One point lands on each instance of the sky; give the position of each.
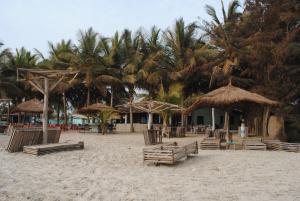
(32, 23)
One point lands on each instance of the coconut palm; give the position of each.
(8, 85)
(105, 116)
(172, 95)
(113, 59)
(89, 60)
(223, 35)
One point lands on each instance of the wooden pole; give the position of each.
(111, 96)
(131, 117)
(8, 113)
(65, 110)
(226, 125)
(213, 127)
(45, 110)
(150, 117)
(265, 121)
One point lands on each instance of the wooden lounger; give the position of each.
(210, 144)
(255, 145)
(169, 154)
(50, 148)
(30, 136)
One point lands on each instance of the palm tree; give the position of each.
(105, 116)
(223, 35)
(89, 60)
(172, 95)
(8, 85)
(62, 56)
(113, 59)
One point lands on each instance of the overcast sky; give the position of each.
(31, 23)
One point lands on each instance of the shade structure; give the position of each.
(31, 106)
(229, 95)
(94, 108)
(150, 107)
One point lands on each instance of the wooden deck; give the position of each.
(50, 148)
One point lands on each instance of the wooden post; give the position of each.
(65, 110)
(213, 126)
(182, 119)
(45, 110)
(131, 117)
(226, 125)
(8, 113)
(265, 121)
(111, 96)
(126, 119)
(150, 118)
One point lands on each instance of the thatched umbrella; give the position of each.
(31, 106)
(227, 96)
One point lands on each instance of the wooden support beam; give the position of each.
(45, 111)
(56, 83)
(35, 85)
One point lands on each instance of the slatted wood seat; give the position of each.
(277, 145)
(30, 136)
(50, 148)
(210, 144)
(169, 154)
(254, 145)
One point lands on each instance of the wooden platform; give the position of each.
(50, 148)
(210, 144)
(254, 145)
(30, 136)
(277, 145)
(169, 154)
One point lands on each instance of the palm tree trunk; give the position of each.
(57, 115)
(88, 96)
(131, 116)
(65, 110)
(111, 96)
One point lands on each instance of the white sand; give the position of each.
(111, 168)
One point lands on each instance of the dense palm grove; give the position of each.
(258, 49)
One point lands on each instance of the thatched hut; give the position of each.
(228, 97)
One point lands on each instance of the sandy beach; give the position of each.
(111, 168)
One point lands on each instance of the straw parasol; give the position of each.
(227, 96)
(31, 106)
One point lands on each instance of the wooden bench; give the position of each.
(50, 148)
(210, 144)
(254, 145)
(169, 154)
(277, 145)
(30, 136)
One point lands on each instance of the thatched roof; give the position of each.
(31, 106)
(229, 95)
(94, 108)
(149, 106)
